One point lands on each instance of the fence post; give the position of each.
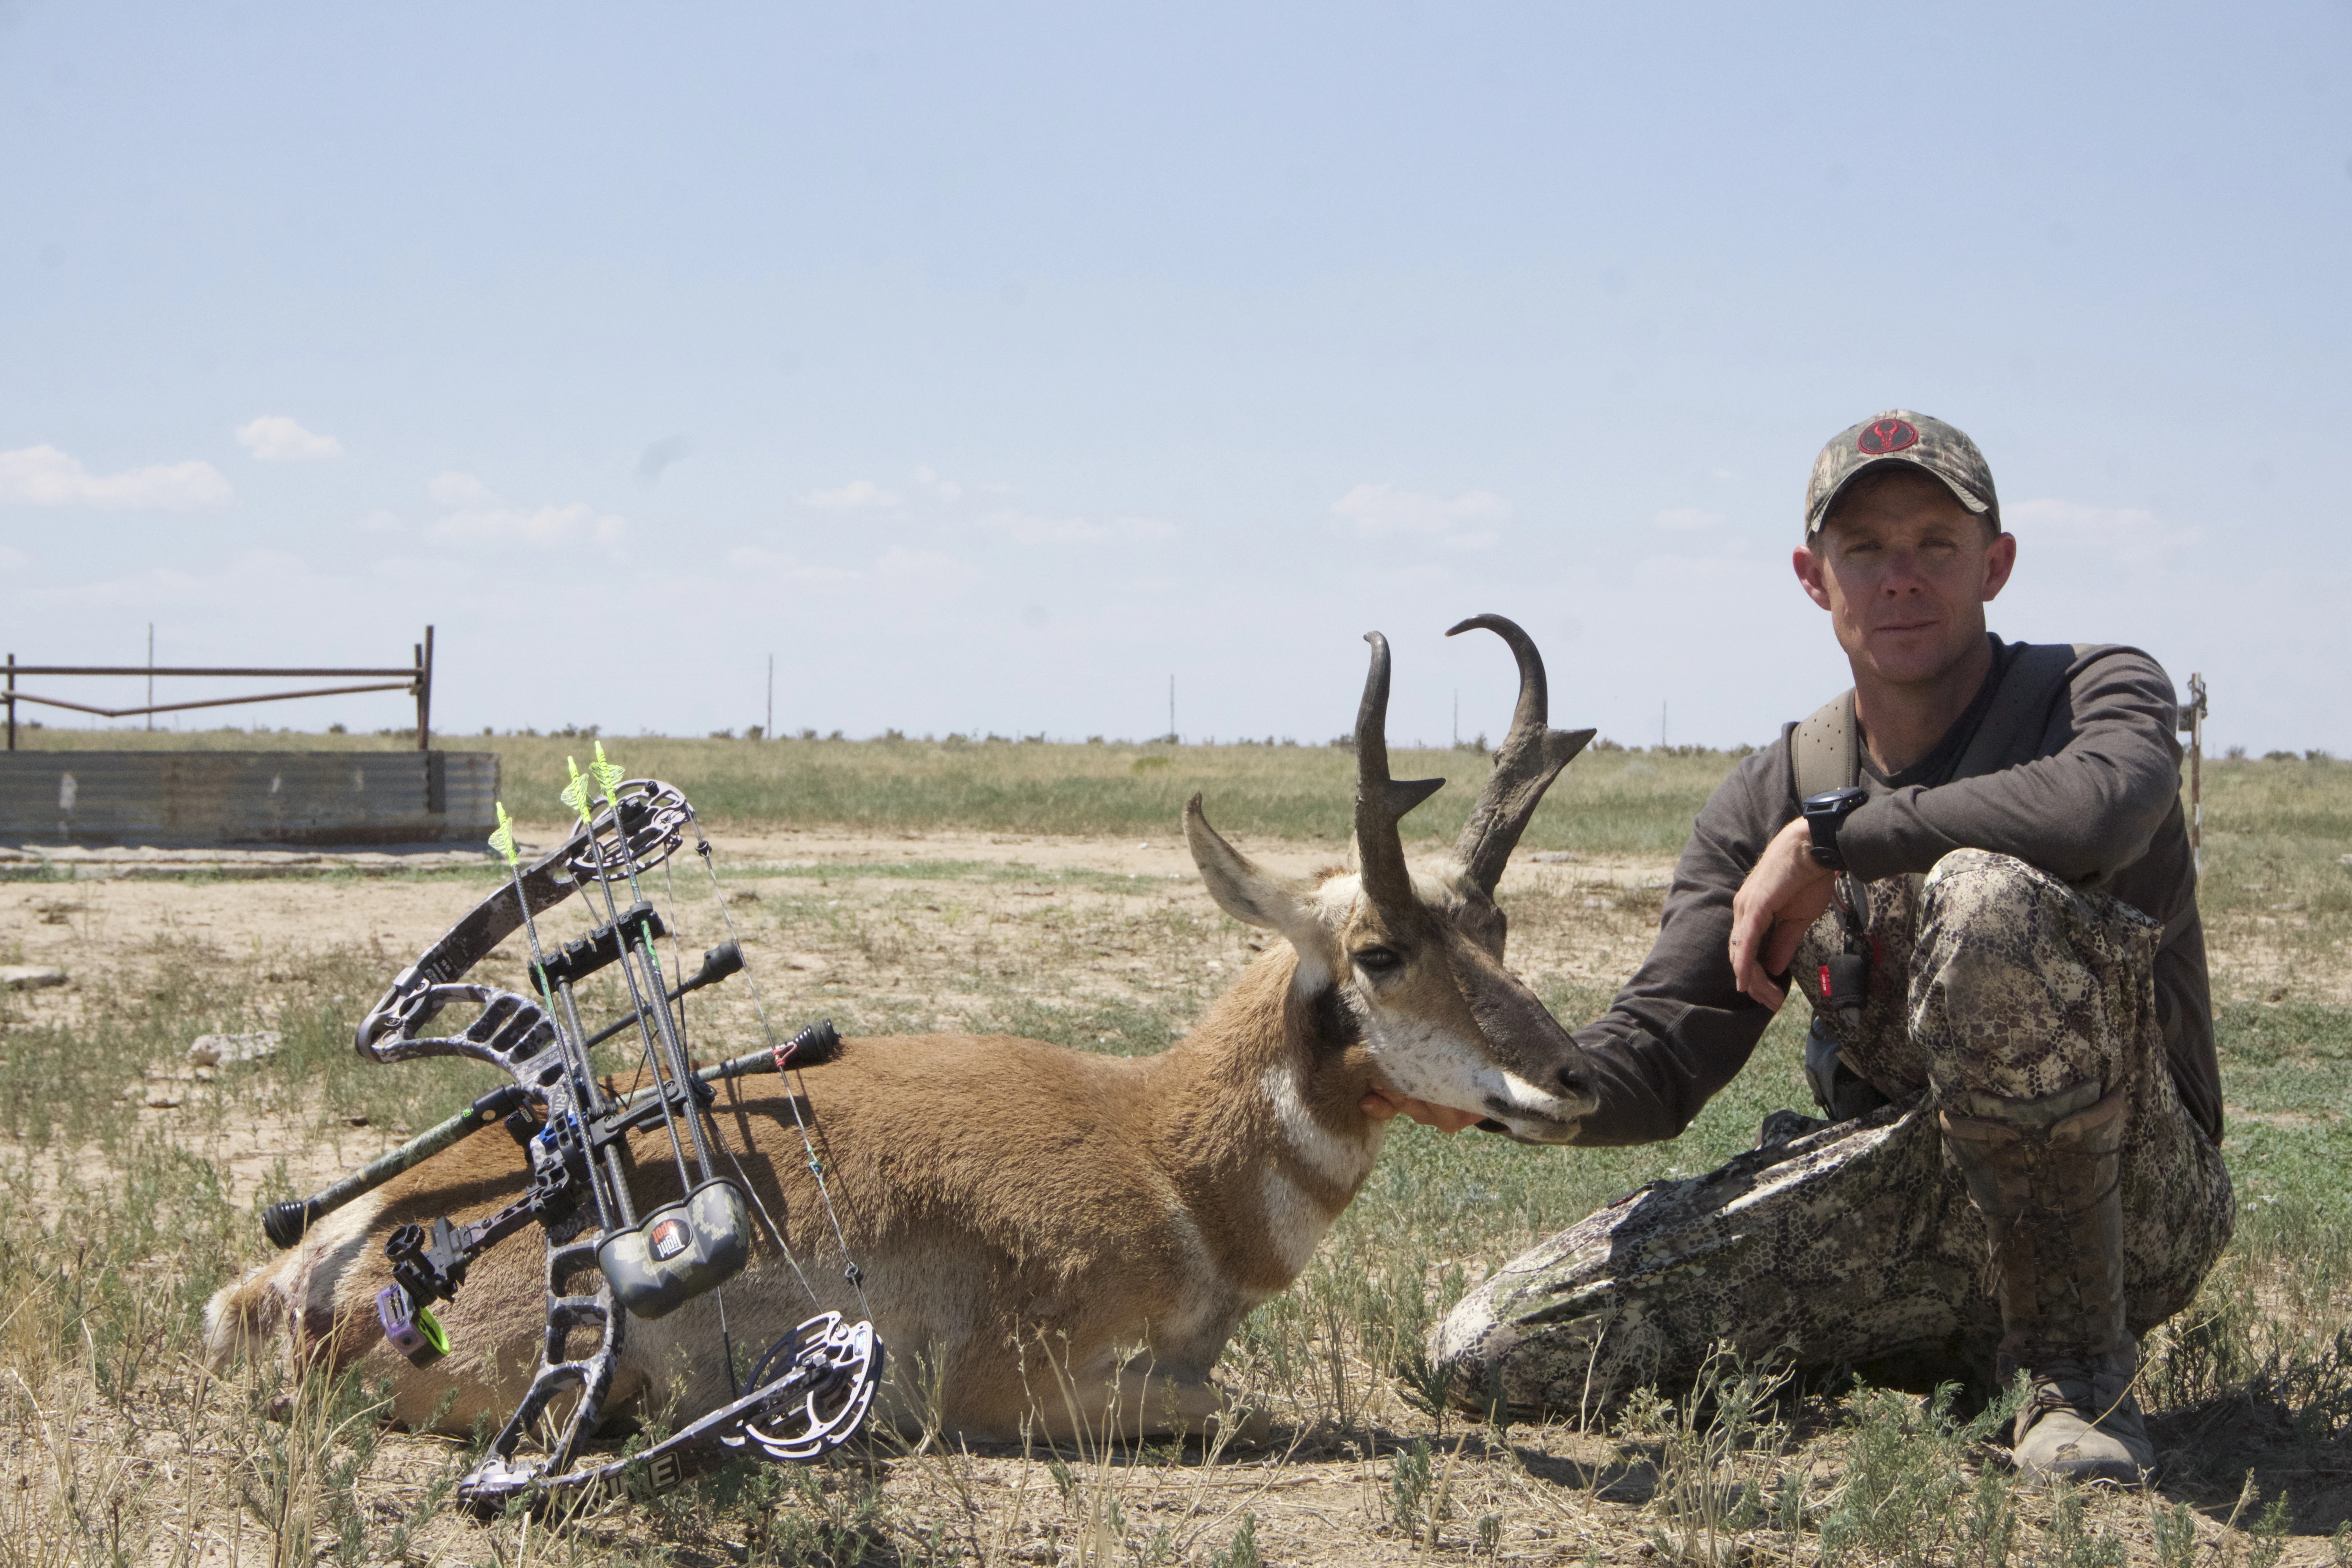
(424, 692)
(2192, 720)
(12, 701)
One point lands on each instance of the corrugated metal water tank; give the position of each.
(246, 797)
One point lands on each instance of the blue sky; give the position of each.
(989, 365)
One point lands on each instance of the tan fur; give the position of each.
(988, 1187)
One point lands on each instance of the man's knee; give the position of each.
(2021, 985)
(1991, 923)
(1975, 893)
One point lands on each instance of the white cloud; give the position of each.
(927, 565)
(2140, 533)
(380, 521)
(750, 561)
(275, 438)
(1383, 509)
(854, 496)
(2071, 517)
(1030, 529)
(459, 490)
(1709, 568)
(483, 517)
(43, 475)
(14, 560)
(254, 576)
(1683, 519)
(940, 488)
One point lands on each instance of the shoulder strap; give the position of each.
(2020, 708)
(1825, 751)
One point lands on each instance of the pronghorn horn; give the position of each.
(1381, 801)
(1530, 757)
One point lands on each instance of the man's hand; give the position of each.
(1380, 1104)
(1782, 897)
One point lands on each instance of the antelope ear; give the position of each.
(1248, 891)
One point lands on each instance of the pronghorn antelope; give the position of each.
(1032, 1220)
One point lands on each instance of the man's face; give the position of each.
(1906, 571)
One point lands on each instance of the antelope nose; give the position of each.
(1574, 1086)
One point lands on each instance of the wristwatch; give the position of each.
(1824, 814)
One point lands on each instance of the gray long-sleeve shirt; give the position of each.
(2092, 793)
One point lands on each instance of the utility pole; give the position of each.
(150, 674)
(769, 731)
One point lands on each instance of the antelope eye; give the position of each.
(1379, 961)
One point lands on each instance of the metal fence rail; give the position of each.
(415, 679)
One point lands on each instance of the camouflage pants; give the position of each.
(1857, 1245)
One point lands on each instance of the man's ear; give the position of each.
(1252, 894)
(1809, 568)
(2000, 559)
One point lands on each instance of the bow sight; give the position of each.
(606, 1261)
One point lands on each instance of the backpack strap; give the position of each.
(2036, 681)
(1825, 751)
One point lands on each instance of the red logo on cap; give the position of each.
(1887, 436)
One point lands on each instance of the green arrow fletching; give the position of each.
(608, 775)
(575, 794)
(503, 840)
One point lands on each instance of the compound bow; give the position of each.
(811, 1391)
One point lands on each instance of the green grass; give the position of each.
(1616, 801)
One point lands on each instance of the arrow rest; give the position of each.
(606, 1263)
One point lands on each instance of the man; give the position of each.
(1990, 901)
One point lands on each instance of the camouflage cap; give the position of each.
(1899, 436)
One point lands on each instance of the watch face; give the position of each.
(1834, 801)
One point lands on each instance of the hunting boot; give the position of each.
(2046, 1174)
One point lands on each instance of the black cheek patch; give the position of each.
(1330, 1026)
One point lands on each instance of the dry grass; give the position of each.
(117, 1219)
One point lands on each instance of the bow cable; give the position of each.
(854, 1275)
(575, 796)
(617, 1205)
(607, 776)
